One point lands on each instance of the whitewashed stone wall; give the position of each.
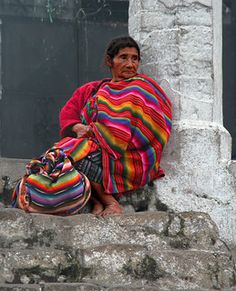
(181, 41)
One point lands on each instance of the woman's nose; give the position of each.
(129, 63)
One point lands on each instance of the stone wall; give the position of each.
(181, 42)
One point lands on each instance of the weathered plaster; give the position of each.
(181, 42)
(217, 61)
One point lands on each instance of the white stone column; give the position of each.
(181, 41)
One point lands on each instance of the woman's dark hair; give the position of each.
(119, 43)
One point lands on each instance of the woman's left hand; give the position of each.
(82, 130)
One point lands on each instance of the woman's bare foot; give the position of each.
(112, 209)
(97, 209)
(110, 205)
(97, 206)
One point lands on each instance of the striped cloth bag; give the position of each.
(52, 185)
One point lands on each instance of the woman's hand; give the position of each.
(82, 130)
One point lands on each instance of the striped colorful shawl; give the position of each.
(132, 127)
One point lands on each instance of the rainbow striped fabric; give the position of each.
(51, 184)
(132, 126)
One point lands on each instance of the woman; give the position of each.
(114, 130)
(118, 125)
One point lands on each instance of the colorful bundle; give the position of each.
(51, 184)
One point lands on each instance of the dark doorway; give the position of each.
(229, 69)
(46, 53)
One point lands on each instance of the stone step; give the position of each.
(160, 250)
(112, 265)
(135, 264)
(89, 287)
(155, 230)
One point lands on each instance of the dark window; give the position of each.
(47, 51)
(229, 69)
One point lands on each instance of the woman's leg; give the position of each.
(110, 204)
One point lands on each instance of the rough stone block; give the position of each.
(20, 287)
(50, 231)
(207, 3)
(173, 95)
(72, 287)
(164, 56)
(169, 5)
(134, 288)
(197, 88)
(194, 15)
(199, 228)
(109, 263)
(14, 228)
(196, 43)
(173, 5)
(163, 71)
(232, 167)
(134, 24)
(189, 66)
(205, 269)
(134, 7)
(158, 19)
(150, 40)
(161, 59)
(93, 231)
(38, 265)
(195, 109)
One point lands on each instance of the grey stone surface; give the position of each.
(157, 250)
(82, 287)
(22, 230)
(23, 287)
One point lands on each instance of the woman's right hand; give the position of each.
(82, 130)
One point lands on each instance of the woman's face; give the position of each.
(125, 64)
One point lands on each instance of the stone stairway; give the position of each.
(139, 251)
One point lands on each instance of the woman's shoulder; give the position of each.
(91, 84)
(150, 81)
(89, 87)
(146, 78)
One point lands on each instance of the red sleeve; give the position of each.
(70, 113)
